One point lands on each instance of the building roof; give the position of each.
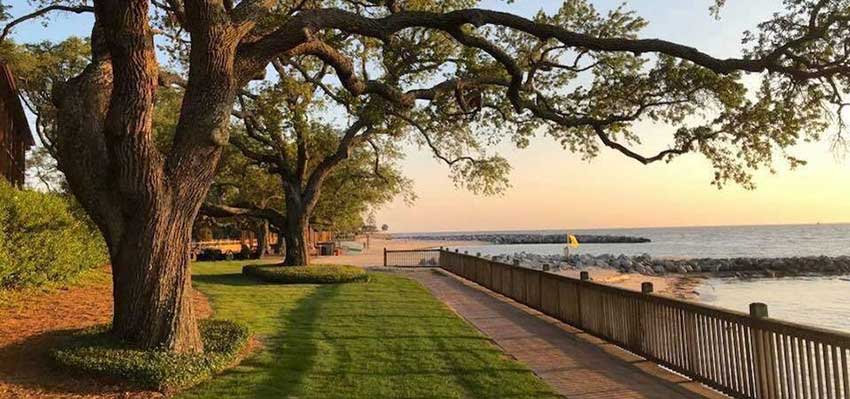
(9, 92)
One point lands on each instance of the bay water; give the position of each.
(819, 301)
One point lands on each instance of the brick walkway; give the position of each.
(576, 364)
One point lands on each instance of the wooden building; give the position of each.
(316, 236)
(231, 238)
(15, 135)
(321, 242)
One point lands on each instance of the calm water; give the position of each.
(822, 301)
(705, 242)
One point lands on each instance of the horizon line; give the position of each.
(623, 228)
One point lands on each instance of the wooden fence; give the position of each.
(742, 355)
(412, 258)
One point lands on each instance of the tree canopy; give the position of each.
(245, 189)
(579, 76)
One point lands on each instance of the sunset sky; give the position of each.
(552, 188)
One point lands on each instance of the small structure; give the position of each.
(15, 135)
(229, 239)
(321, 242)
(233, 239)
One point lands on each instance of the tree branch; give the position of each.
(301, 28)
(377, 167)
(436, 151)
(261, 157)
(343, 151)
(226, 211)
(248, 11)
(175, 7)
(35, 14)
(344, 68)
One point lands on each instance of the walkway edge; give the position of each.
(576, 364)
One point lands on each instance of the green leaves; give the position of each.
(42, 242)
(94, 352)
(577, 88)
(39, 68)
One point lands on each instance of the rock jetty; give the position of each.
(728, 267)
(523, 238)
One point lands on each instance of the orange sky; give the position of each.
(553, 188)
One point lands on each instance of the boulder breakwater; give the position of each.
(647, 265)
(525, 238)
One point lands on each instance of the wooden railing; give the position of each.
(742, 355)
(412, 258)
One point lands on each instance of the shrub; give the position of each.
(94, 352)
(313, 274)
(42, 241)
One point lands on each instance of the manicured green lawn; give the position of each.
(386, 338)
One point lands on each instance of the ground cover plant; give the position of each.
(313, 274)
(94, 352)
(388, 337)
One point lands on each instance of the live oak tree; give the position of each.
(248, 188)
(283, 134)
(578, 76)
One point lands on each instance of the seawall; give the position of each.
(647, 265)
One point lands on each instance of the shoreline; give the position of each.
(676, 286)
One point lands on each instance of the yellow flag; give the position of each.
(572, 240)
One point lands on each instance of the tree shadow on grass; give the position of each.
(295, 351)
(292, 363)
(474, 370)
(285, 359)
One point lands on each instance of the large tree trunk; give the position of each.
(153, 309)
(147, 230)
(144, 201)
(295, 229)
(295, 236)
(280, 247)
(262, 234)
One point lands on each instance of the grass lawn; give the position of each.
(387, 338)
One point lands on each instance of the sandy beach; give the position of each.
(672, 285)
(675, 286)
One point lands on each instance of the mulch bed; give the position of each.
(35, 323)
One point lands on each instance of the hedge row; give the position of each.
(41, 240)
(313, 274)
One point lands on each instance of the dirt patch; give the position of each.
(38, 322)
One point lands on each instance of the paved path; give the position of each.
(576, 364)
